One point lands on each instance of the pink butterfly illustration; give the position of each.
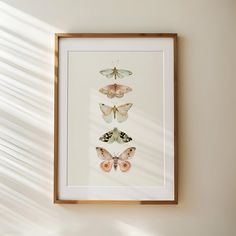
(115, 90)
(121, 160)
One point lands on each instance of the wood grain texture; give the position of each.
(116, 35)
(56, 115)
(143, 202)
(175, 121)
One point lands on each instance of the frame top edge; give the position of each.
(116, 35)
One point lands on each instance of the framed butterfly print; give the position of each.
(115, 118)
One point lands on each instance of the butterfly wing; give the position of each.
(107, 112)
(121, 90)
(109, 73)
(127, 154)
(106, 165)
(123, 162)
(124, 165)
(104, 154)
(115, 90)
(109, 90)
(122, 112)
(120, 73)
(108, 137)
(121, 137)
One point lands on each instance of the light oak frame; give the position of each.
(56, 117)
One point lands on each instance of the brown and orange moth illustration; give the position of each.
(115, 161)
(115, 90)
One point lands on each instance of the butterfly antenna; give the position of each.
(113, 64)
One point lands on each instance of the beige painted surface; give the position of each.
(207, 131)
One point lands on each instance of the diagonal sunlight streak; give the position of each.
(27, 149)
(23, 166)
(19, 126)
(16, 105)
(17, 77)
(13, 218)
(24, 156)
(34, 69)
(26, 124)
(12, 48)
(24, 98)
(139, 125)
(29, 205)
(26, 137)
(14, 63)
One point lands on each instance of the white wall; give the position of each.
(207, 131)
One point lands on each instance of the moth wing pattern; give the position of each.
(122, 73)
(108, 137)
(104, 154)
(121, 90)
(115, 90)
(127, 154)
(119, 74)
(106, 165)
(124, 165)
(123, 109)
(109, 73)
(122, 137)
(109, 90)
(107, 112)
(122, 112)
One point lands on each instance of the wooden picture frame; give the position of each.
(117, 43)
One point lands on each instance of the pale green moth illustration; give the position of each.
(116, 73)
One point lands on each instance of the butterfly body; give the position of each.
(115, 90)
(119, 113)
(116, 73)
(114, 111)
(115, 161)
(115, 135)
